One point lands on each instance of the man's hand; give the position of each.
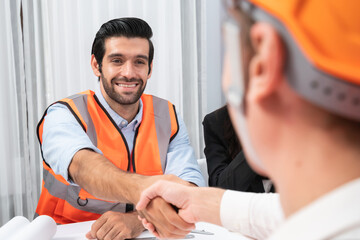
(165, 222)
(115, 225)
(176, 194)
(194, 204)
(147, 181)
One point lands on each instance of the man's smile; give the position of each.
(127, 85)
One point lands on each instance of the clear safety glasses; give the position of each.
(236, 30)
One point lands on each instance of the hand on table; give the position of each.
(116, 225)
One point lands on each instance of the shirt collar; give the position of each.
(116, 117)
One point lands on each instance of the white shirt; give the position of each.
(336, 215)
(252, 214)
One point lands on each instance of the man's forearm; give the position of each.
(101, 178)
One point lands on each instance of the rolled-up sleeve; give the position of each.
(62, 138)
(181, 159)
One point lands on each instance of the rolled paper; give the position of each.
(13, 227)
(41, 228)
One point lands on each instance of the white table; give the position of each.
(77, 231)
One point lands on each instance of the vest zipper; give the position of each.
(133, 153)
(117, 128)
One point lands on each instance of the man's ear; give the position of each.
(95, 66)
(151, 68)
(266, 66)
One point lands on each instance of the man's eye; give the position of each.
(116, 61)
(140, 62)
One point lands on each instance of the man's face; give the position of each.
(125, 69)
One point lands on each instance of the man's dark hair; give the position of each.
(121, 27)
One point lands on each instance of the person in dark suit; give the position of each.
(227, 166)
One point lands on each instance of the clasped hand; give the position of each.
(167, 223)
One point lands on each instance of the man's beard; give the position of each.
(124, 99)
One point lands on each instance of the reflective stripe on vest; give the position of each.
(70, 193)
(158, 127)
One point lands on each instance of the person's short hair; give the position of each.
(121, 27)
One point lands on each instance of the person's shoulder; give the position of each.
(217, 115)
(62, 104)
(145, 96)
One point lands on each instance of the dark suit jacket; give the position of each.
(223, 171)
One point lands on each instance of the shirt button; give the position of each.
(123, 123)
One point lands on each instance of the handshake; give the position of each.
(178, 207)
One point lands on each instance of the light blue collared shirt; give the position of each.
(63, 137)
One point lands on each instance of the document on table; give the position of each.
(77, 231)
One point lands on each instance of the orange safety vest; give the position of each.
(67, 203)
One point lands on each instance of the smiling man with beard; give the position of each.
(101, 149)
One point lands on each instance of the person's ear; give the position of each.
(95, 66)
(151, 68)
(266, 66)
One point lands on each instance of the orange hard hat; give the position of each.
(326, 31)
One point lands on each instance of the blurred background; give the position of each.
(45, 50)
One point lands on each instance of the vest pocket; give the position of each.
(59, 212)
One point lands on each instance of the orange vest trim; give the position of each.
(69, 203)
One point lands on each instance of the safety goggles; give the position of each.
(236, 30)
